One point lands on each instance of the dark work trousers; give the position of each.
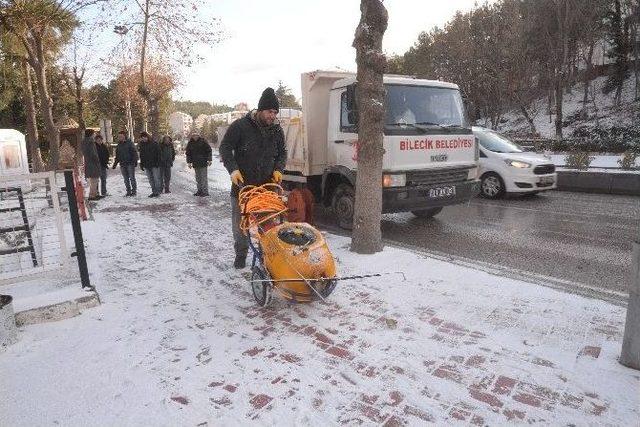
(129, 175)
(165, 177)
(240, 240)
(202, 181)
(103, 181)
(153, 175)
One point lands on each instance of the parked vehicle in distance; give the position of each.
(506, 168)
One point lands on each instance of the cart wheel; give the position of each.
(262, 291)
(328, 287)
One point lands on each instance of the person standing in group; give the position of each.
(254, 152)
(198, 154)
(167, 156)
(127, 157)
(103, 154)
(91, 163)
(150, 162)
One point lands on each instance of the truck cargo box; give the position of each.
(307, 138)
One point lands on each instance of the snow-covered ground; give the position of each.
(603, 114)
(178, 339)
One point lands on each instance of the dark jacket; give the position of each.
(149, 155)
(167, 154)
(198, 152)
(256, 151)
(91, 160)
(103, 154)
(126, 154)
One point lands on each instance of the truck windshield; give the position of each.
(424, 105)
(492, 141)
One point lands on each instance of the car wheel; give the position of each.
(427, 213)
(492, 186)
(343, 204)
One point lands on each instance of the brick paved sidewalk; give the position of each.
(178, 340)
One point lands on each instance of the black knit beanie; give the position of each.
(268, 100)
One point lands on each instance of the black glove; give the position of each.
(114, 166)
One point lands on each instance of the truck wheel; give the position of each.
(427, 213)
(492, 186)
(343, 204)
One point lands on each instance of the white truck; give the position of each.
(431, 155)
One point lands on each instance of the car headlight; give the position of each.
(518, 164)
(394, 180)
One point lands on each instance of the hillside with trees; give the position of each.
(521, 63)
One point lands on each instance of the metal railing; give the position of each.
(38, 234)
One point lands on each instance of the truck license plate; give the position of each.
(440, 192)
(546, 180)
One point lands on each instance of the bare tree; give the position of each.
(367, 236)
(42, 27)
(12, 48)
(171, 29)
(33, 144)
(74, 76)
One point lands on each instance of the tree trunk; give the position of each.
(77, 80)
(154, 116)
(559, 99)
(46, 106)
(143, 89)
(33, 146)
(367, 236)
(532, 125)
(587, 78)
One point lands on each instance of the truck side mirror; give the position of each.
(352, 106)
(351, 97)
(353, 117)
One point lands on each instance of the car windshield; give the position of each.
(424, 106)
(498, 144)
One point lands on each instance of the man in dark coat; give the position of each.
(198, 154)
(253, 151)
(103, 154)
(91, 163)
(127, 156)
(150, 162)
(167, 156)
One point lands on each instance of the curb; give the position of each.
(599, 182)
(59, 311)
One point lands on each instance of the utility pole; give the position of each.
(630, 355)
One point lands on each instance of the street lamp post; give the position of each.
(630, 355)
(122, 31)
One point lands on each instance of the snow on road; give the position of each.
(178, 339)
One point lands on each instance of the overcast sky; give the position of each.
(276, 40)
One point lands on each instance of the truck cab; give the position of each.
(431, 154)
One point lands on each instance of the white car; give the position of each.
(506, 168)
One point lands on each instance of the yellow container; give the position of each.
(295, 251)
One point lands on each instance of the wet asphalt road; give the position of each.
(576, 237)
